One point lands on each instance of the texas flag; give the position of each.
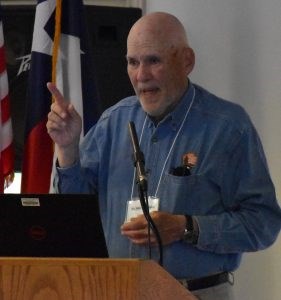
(6, 134)
(60, 45)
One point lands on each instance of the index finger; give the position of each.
(58, 97)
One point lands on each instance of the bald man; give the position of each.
(208, 186)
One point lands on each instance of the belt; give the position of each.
(205, 282)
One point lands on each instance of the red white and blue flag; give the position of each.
(6, 134)
(74, 77)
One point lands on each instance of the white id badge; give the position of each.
(134, 207)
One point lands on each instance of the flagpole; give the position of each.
(56, 39)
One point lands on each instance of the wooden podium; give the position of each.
(87, 279)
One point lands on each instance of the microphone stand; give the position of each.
(138, 159)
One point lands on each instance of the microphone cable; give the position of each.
(151, 225)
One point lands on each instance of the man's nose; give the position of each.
(143, 72)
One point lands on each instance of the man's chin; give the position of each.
(156, 113)
(153, 113)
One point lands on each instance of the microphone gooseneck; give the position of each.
(138, 157)
(139, 164)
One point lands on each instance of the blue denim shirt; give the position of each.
(229, 191)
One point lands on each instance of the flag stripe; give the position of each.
(2, 62)
(7, 155)
(5, 109)
(38, 152)
(6, 134)
(3, 82)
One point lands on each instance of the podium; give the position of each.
(87, 279)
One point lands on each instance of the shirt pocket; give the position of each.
(193, 194)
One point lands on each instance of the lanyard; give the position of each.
(171, 148)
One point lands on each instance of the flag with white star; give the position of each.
(74, 78)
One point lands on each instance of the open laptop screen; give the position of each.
(51, 225)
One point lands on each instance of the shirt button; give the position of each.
(154, 140)
(174, 126)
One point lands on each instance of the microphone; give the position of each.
(138, 157)
(142, 182)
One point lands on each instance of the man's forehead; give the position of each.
(147, 37)
(147, 48)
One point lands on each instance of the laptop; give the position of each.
(51, 225)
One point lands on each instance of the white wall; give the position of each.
(238, 52)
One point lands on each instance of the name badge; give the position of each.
(134, 208)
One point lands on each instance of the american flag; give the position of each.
(6, 135)
(74, 78)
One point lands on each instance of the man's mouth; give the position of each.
(149, 91)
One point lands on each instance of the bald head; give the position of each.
(159, 62)
(160, 27)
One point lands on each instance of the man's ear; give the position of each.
(189, 58)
